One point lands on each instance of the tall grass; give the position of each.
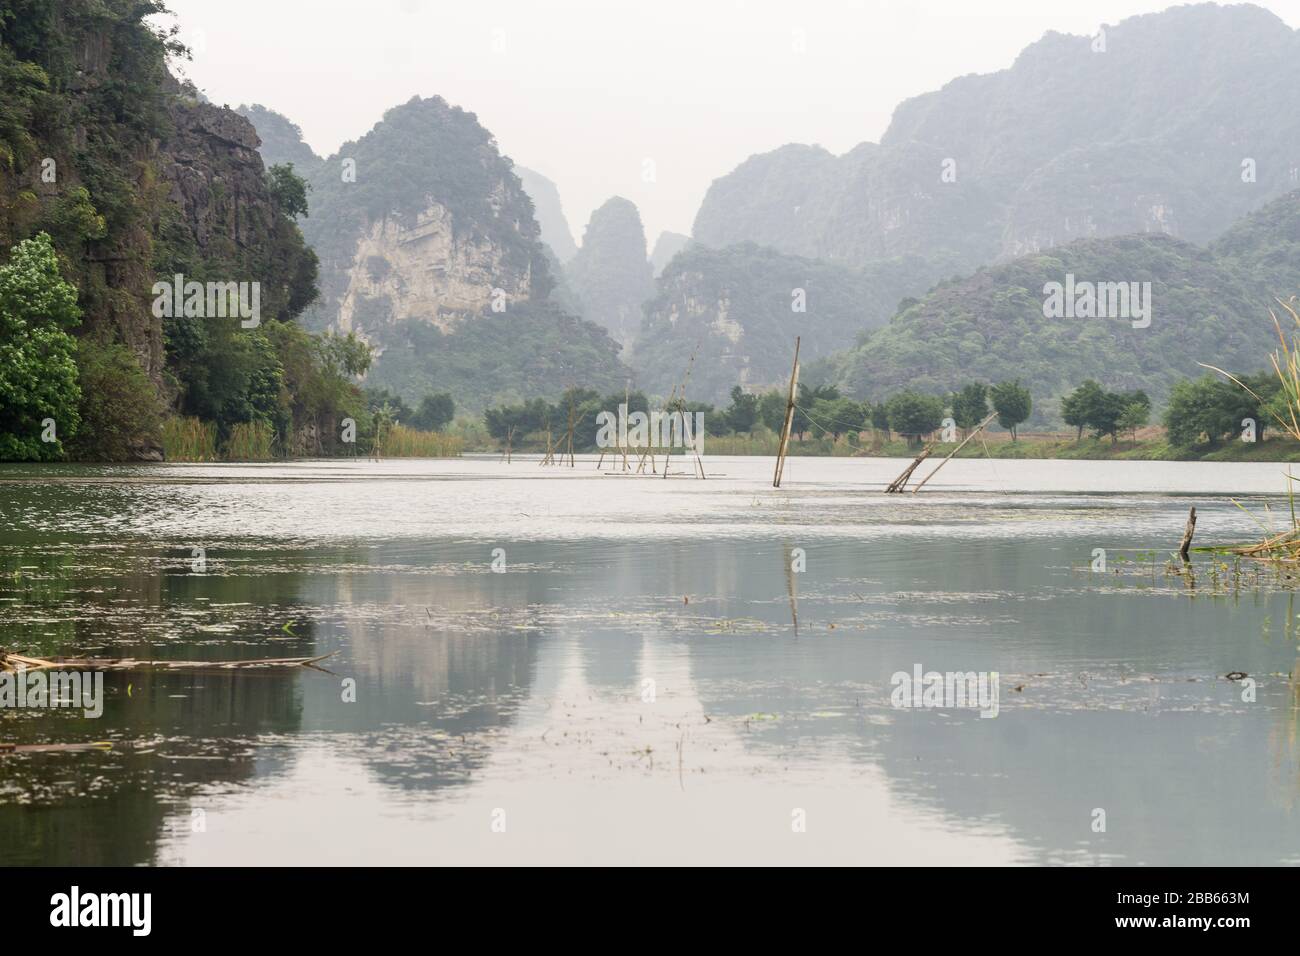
(1285, 545)
(400, 441)
(189, 439)
(250, 441)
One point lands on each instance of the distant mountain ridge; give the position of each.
(1210, 304)
(1152, 135)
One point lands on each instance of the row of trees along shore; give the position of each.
(1202, 411)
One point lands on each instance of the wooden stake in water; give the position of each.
(788, 426)
(1190, 530)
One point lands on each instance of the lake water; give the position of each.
(555, 665)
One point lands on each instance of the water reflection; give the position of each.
(662, 671)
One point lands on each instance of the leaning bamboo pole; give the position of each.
(788, 425)
(978, 428)
(898, 484)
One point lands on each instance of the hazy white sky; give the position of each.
(585, 91)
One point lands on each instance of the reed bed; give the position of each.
(189, 439)
(399, 441)
(250, 441)
(1285, 545)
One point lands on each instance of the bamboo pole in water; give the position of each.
(980, 427)
(898, 484)
(788, 426)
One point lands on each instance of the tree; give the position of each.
(1199, 407)
(38, 369)
(288, 190)
(435, 412)
(377, 398)
(880, 418)
(742, 415)
(1080, 406)
(970, 406)
(807, 398)
(120, 413)
(771, 409)
(840, 415)
(1134, 416)
(913, 415)
(1013, 404)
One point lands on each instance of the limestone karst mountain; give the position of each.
(281, 138)
(549, 212)
(426, 237)
(739, 309)
(1177, 122)
(611, 273)
(666, 246)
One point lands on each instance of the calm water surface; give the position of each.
(643, 679)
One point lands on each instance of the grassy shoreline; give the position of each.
(1151, 446)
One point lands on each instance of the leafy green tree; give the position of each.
(913, 415)
(1131, 410)
(38, 370)
(1079, 408)
(377, 398)
(435, 413)
(1134, 416)
(1201, 407)
(742, 414)
(970, 406)
(120, 414)
(840, 416)
(771, 409)
(807, 398)
(288, 190)
(880, 418)
(1013, 404)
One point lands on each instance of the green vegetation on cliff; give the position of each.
(1207, 305)
(739, 309)
(134, 180)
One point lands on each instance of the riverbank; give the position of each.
(1150, 446)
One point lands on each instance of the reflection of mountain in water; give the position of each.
(442, 654)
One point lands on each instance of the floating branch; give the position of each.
(53, 748)
(11, 663)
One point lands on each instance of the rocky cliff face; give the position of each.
(431, 252)
(422, 220)
(425, 272)
(161, 183)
